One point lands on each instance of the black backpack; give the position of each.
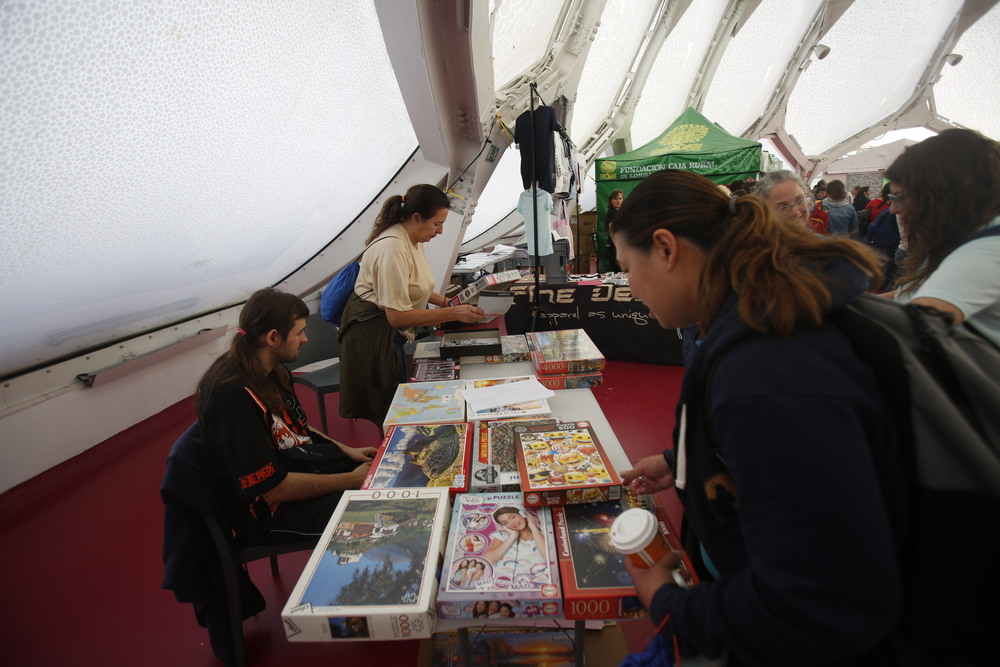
(942, 386)
(863, 222)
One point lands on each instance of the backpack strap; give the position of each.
(983, 233)
(358, 260)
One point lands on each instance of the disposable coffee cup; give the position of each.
(636, 535)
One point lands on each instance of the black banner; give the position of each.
(618, 324)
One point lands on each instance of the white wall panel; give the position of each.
(161, 159)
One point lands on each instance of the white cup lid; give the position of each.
(633, 530)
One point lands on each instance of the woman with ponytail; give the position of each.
(390, 298)
(783, 451)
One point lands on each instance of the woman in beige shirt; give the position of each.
(391, 295)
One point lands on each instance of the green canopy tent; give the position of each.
(691, 143)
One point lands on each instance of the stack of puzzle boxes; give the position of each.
(566, 359)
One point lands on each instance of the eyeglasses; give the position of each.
(898, 200)
(785, 209)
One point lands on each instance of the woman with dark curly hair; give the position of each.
(944, 192)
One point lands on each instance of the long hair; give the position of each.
(265, 310)
(951, 187)
(773, 266)
(424, 199)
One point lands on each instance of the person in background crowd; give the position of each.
(390, 299)
(883, 236)
(614, 203)
(861, 198)
(879, 204)
(785, 191)
(819, 190)
(944, 192)
(277, 475)
(843, 217)
(789, 476)
(819, 220)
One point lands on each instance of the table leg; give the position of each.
(464, 648)
(579, 632)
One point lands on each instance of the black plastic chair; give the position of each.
(323, 345)
(233, 557)
(324, 381)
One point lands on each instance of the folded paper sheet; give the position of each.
(483, 398)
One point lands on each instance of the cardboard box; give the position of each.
(470, 343)
(427, 349)
(497, 562)
(602, 646)
(489, 280)
(423, 456)
(373, 575)
(432, 370)
(564, 465)
(494, 464)
(512, 348)
(595, 582)
(438, 402)
(568, 381)
(565, 351)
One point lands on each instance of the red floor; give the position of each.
(80, 565)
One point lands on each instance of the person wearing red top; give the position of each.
(878, 204)
(819, 220)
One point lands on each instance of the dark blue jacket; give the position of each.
(796, 499)
(883, 233)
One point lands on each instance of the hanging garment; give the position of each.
(562, 229)
(542, 150)
(543, 206)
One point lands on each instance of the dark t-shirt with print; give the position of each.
(253, 450)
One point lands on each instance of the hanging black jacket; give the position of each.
(191, 568)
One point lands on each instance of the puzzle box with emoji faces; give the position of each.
(564, 464)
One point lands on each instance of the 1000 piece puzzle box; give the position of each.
(373, 574)
(436, 402)
(594, 580)
(500, 561)
(423, 455)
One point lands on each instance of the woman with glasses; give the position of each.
(786, 193)
(944, 194)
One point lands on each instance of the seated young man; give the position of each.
(276, 476)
